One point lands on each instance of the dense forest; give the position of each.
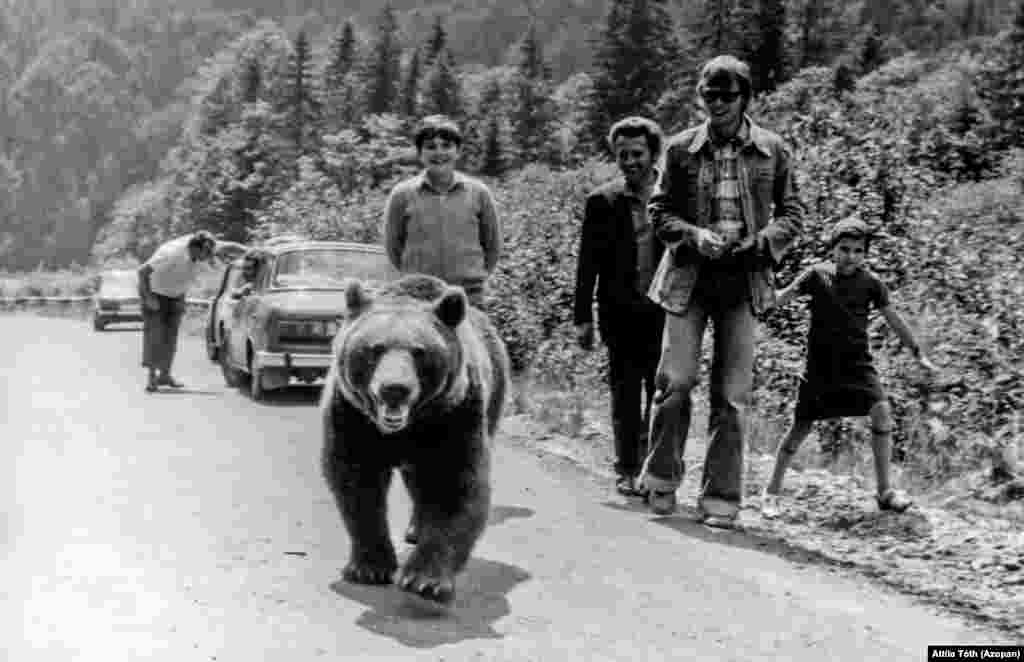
(200, 110)
(125, 123)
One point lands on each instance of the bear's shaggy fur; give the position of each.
(417, 383)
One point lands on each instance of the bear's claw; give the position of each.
(437, 590)
(364, 573)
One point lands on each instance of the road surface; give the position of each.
(195, 526)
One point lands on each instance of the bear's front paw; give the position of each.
(437, 589)
(368, 572)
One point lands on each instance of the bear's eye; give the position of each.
(378, 349)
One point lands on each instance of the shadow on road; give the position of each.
(165, 390)
(686, 521)
(296, 395)
(481, 599)
(501, 513)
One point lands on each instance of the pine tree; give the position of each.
(533, 114)
(634, 61)
(768, 58)
(303, 111)
(384, 69)
(443, 93)
(341, 56)
(870, 56)
(411, 87)
(251, 84)
(436, 43)
(340, 89)
(493, 158)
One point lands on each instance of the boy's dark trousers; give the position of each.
(632, 334)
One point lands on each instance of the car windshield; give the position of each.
(119, 284)
(328, 268)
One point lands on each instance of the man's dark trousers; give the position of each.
(160, 332)
(632, 334)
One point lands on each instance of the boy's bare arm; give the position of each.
(795, 288)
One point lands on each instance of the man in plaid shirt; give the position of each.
(726, 207)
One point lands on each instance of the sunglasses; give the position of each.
(710, 96)
(442, 134)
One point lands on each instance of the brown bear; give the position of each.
(417, 383)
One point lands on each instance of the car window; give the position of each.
(119, 284)
(329, 268)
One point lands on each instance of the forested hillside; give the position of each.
(127, 123)
(100, 100)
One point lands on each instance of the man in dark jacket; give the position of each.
(618, 250)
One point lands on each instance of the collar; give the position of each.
(655, 176)
(458, 179)
(755, 136)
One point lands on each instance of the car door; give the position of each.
(215, 315)
(238, 318)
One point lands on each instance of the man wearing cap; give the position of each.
(442, 222)
(727, 208)
(164, 279)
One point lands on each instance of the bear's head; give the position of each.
(397, 354)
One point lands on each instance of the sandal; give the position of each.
(167, 380)
(628, 486)
(894, 501)
(720, 521)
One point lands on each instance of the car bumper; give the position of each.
(292, 360)
(107, 316)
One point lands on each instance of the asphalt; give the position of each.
(194, 525)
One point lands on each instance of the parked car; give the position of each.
(117, 299)
(280, 324)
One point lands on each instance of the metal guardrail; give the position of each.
(34, 300)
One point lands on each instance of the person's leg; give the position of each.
(790, 444)
(624, 381)
(650, 354)
(732, 375)
(670, 414)
(881, 448)
(174, 317)
(151, 332)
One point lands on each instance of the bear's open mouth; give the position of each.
(392, 419)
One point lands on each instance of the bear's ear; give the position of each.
(451, 309)
(356, 299)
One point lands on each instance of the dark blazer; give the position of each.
(608, 254)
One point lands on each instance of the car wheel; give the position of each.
(256, 391)
(98, 324)
(232, 376)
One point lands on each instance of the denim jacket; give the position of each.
(772, 210)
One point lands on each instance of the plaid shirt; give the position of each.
(727, 210)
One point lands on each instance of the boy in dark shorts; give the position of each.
(840, 379)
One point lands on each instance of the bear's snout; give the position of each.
(394, 395)
(395, 388)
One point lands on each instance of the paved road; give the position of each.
(195, 526)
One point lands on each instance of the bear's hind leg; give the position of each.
(362, 499)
